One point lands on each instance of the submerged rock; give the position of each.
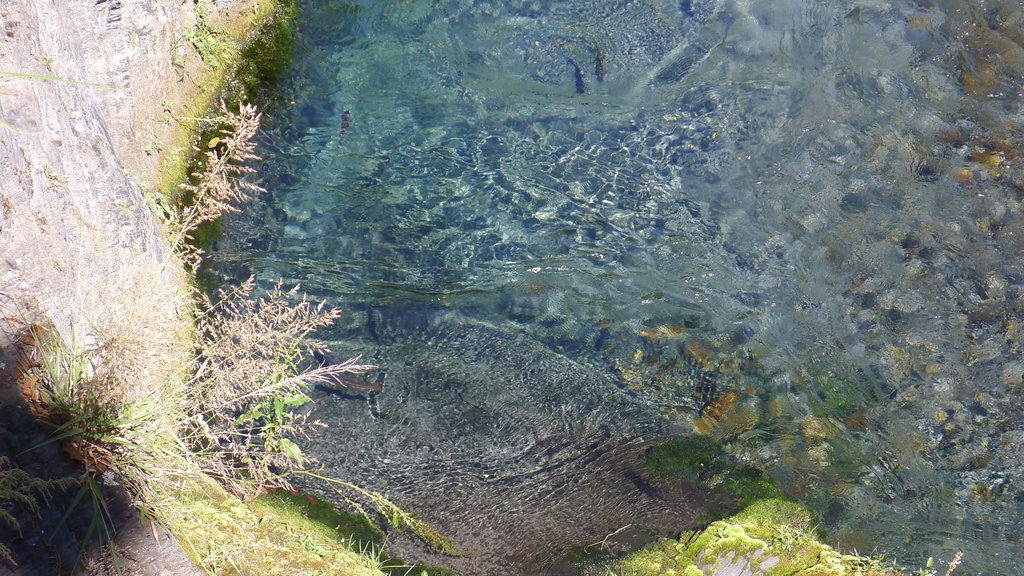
(517, 453)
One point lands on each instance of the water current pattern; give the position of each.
(563, 228)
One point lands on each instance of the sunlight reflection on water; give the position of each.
(815, 204)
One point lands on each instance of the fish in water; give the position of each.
(598, 64)
(578, 76)
(346, 118)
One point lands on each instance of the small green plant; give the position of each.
(55, 179)
(929, 568)
(156, 201)
(17, 488)
(46, 61)
(273, 419)
(212, 46)
(154, 146)
(310, 543)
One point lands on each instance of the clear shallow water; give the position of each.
(812, 205)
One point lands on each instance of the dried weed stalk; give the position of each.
(957, 559)
(248, 373)
(222, 184)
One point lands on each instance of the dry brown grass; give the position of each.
(250, 347)
(222, 185)
(247, 376)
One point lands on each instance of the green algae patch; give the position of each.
(310, 514)
(702, 462)
(319, 521)
(771, 537)
(265, 58)
(222, 534)
(695, 458)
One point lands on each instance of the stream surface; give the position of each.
(566, 229)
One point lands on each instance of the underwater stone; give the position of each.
(511, 449)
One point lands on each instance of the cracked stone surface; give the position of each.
(84, 91)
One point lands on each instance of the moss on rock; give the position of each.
(265, 58)
(322, 524)
(772, 537)
(224, 535)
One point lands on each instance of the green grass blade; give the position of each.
(66, 430)
(50, 79)
(71, 507)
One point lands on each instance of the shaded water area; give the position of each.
(568, 229)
